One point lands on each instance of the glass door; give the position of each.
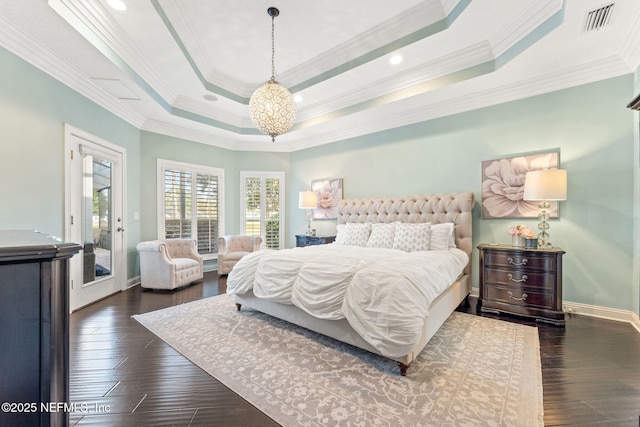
(94, 217)
(261, 205)
(97, 220)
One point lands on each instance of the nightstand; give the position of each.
(304, 240)
(524, 282)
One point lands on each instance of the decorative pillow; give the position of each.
(441, 237)
(357, 234)
(412, 237)
(382, 235)
(341, 234)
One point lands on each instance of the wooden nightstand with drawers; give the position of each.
(524, 282)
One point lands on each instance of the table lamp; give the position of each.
(308, 200)
(545, 186)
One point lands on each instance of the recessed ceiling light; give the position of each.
(395, 59)
(298, 98)
(117, 4)
(210, 97)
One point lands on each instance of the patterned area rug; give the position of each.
(474, 372)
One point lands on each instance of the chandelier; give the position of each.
(271, 106)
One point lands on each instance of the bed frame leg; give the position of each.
(238, 306)
(403, 368)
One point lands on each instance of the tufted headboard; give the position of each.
(433, 208)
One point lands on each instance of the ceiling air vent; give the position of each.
(598, 18)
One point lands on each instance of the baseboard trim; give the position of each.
(593, 311)
(133, 282)
(603, 313)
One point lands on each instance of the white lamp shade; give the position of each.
(308, 200)
(549, 184)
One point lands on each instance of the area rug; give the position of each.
(474, 372)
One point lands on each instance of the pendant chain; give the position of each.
(273, 49)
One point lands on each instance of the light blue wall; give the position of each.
(261, 162)
(33, 110)
(597, 137)
(588, 124)
(155, 146)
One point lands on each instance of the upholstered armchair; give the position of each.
(169, 264)
(232, 248)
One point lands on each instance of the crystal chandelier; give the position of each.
(271, 106)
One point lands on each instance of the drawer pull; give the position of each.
(522, 262)
(523, 279)
(523, 298)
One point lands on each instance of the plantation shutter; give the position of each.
(262, 205)
(192, 207)
(207, 212)
(272, 213)
(177, 204)
(253, 215)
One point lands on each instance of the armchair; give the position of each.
(169, 264)
(232, 248)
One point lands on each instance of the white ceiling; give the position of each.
(155, 64)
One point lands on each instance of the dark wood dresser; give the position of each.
(304, 240)
(524, 282)
(34, 314)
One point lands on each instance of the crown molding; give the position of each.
(219, 139)
(343, 128)
(21, 45)
(198, 107)
(411, 82)
(265, 145)
(449, 5)
(100, 29)
(353, 122)
(175, 21)
(630, 50)
(525, 23)
(406, 28)
(90, 19)
(410, 21)
(384, 118)
(189, 134)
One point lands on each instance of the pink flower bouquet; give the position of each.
(522, 231)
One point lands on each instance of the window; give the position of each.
(262, 205)
(190, 204)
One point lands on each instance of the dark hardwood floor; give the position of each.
(123, 375)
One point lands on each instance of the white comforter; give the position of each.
(383, 293)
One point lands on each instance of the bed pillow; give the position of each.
(356, 234)
(441, 237)
(412, 237)
(341, 234)
(382, 235)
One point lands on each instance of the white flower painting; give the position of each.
(503, 185)
(329, 192)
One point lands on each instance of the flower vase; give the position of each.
(517, 241)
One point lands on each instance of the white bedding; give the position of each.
(383, 293)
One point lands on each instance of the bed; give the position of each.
(381, 294)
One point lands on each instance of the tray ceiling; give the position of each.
(188, 68)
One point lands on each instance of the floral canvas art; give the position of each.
(329, 192)
(503, 185)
